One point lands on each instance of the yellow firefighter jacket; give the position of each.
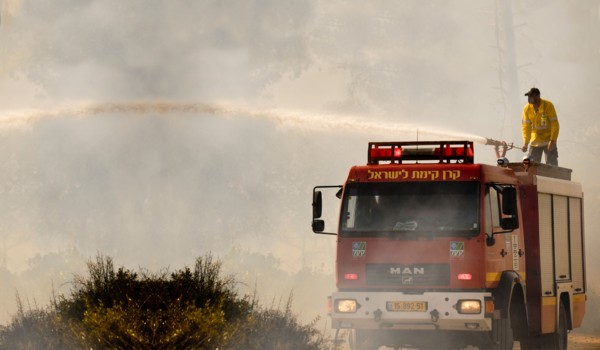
(541, 127)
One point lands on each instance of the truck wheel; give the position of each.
(530, 344)
(554, 341)
(362, 340)
(558, 340)
(501, 336)
(533, 343)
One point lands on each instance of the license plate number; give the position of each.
(407, 306)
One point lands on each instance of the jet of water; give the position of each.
(287, 118)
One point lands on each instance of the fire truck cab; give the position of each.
(435, 251)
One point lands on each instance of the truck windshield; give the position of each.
(410, 209)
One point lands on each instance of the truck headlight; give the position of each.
(468, 306)
(346, 305)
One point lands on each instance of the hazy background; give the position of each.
(155, 188)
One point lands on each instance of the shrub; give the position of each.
(187, 309)
(37, 329)
(276, 329)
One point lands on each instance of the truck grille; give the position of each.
(408, 275)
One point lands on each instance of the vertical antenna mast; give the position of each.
(417, 162)
(507, 65)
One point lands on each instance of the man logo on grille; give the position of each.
(407, 270)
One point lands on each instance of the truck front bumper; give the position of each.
(401, 311)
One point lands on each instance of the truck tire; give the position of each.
(558, 340)
(554, 341)
(362, 340)
(501, 336)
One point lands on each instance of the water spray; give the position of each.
(296, 119)
(302, 120)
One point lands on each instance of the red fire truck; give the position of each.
(437, 252)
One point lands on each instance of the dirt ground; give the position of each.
(579, 341)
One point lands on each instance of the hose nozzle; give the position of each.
(492, 142)
(497, 144)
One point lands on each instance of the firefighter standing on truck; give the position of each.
(540, 128)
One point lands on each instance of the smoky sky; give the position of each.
(158, 189)
(93, 49)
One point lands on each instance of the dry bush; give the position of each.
(192, 308)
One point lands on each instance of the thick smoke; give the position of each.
(241, 107)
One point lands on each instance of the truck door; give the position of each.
(504, 242)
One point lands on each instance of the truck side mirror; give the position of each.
(509, 207)
(318, 226)
(317, 205)
(509, 201)
(509, 223)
